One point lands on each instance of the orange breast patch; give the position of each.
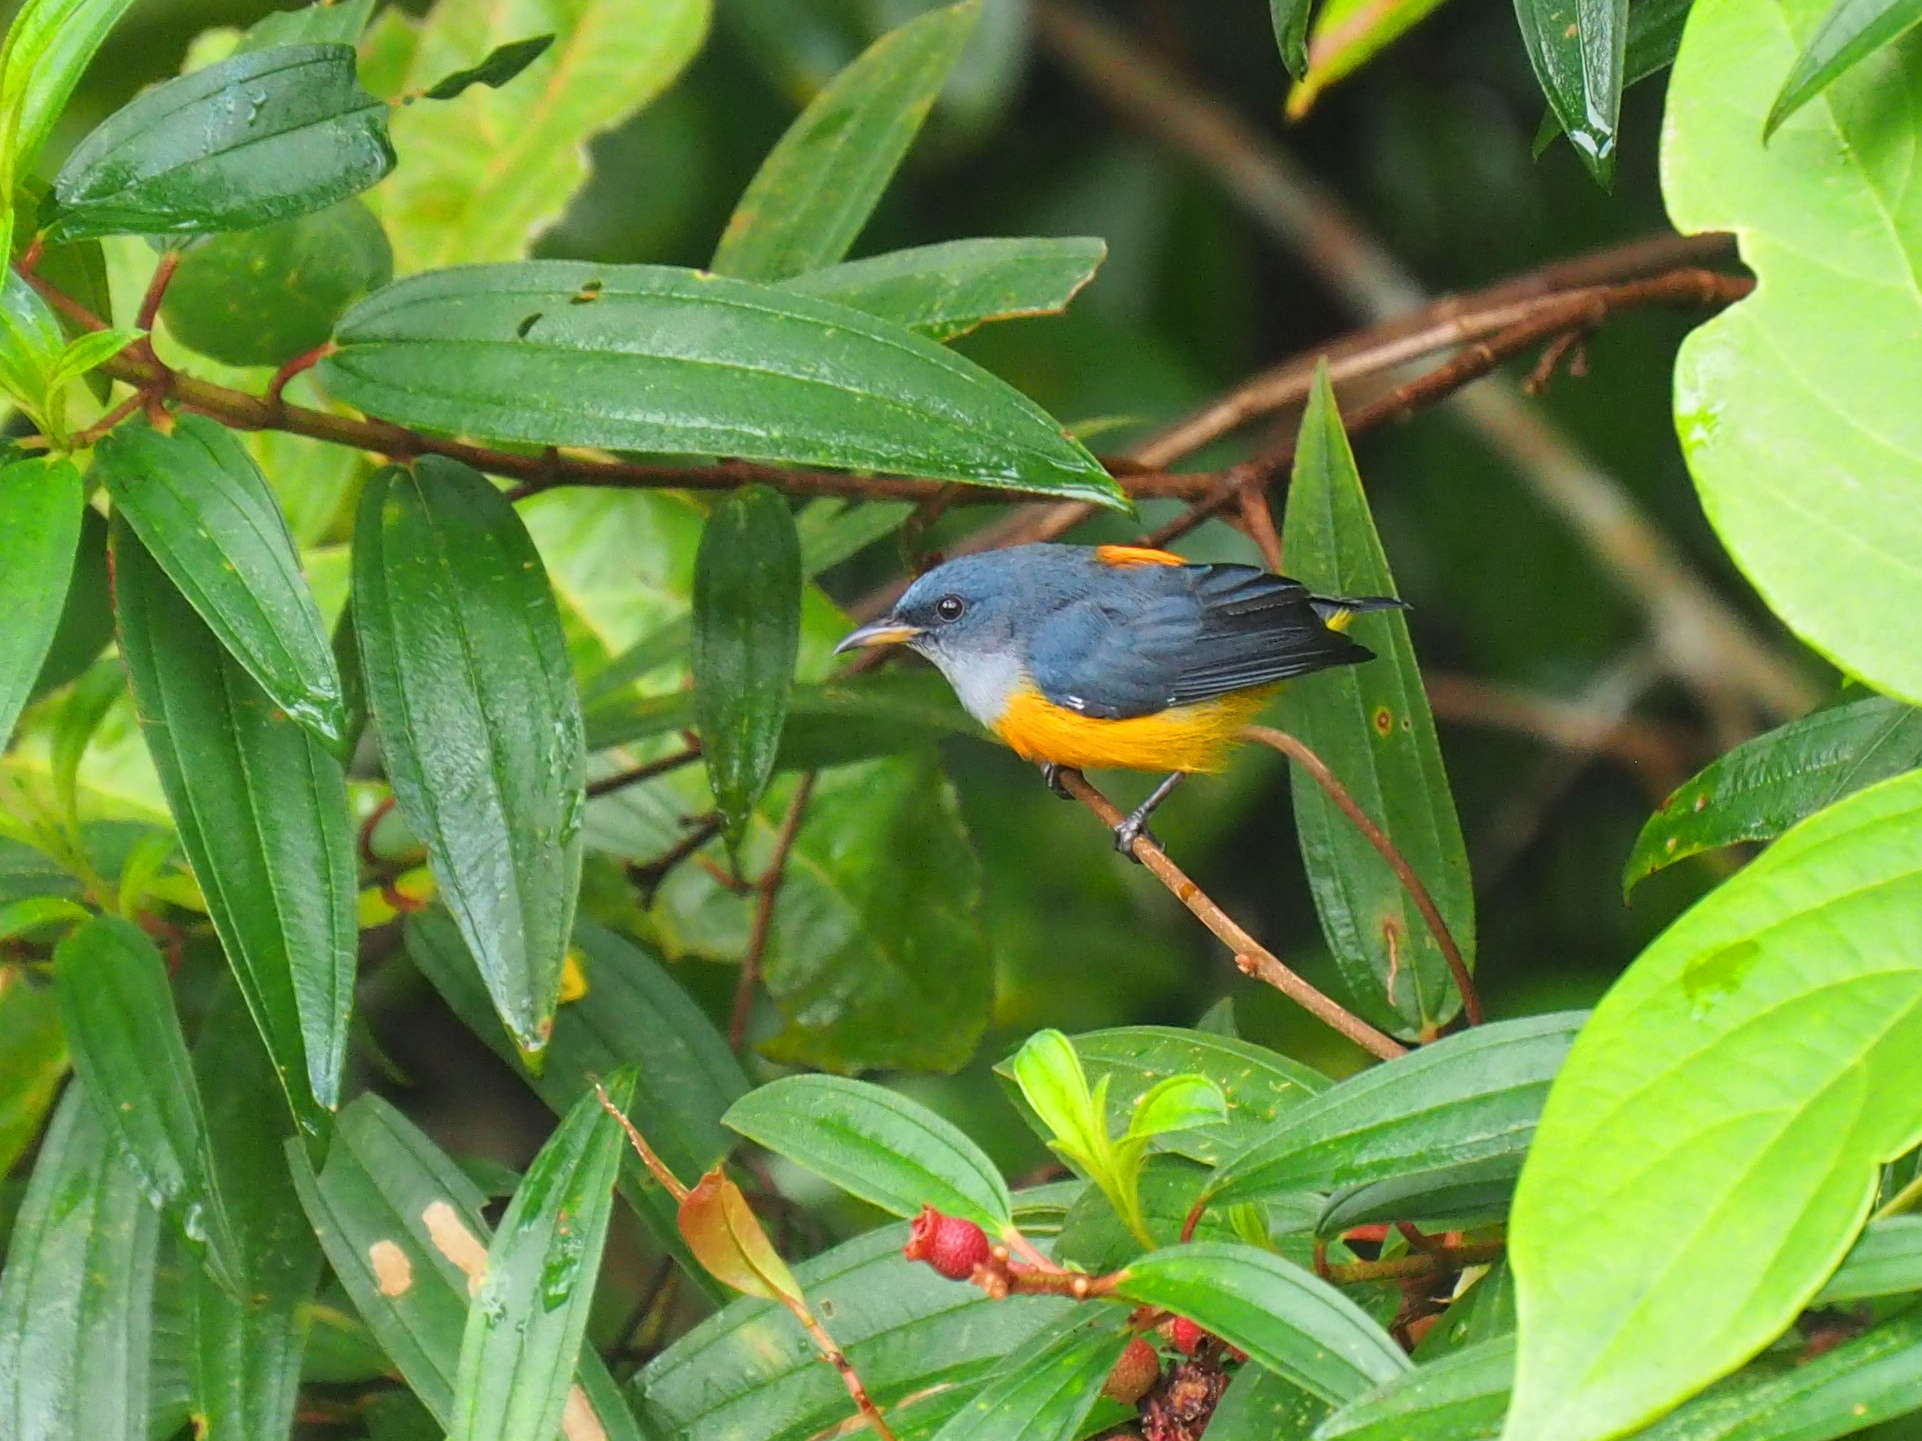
(1183, 738)
(1124, 556)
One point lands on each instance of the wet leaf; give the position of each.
(943, 291)
(40, 506)
(1850, 32)
(1579, 49)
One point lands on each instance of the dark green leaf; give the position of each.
(1290, 18)
(1886, 1260)
(817, 187)
(202, 509)
(1372, 726)
(33, 1060)
(1464, 1194)
(1044, 1391)
(260, 297)
(1654, 36)
(40, 505)
(524, 1329)
(128, 1050)
(501, 65)
(261, 810)
(751, 1371)
(1578, 49)
(1850, 32)
(747, 631)
(48, 48)
(76, 1297)
(1468, 1097)
(651, 358)
(1261, 1406)
(1461, 1397)
(1285, 1318)
(946, 290)
(1765, 785)
(256, 138)
(324, 23)
(875, 1144)
(86, 621)
(1095, 1238)
(467, 677)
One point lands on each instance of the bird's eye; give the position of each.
(949, 607)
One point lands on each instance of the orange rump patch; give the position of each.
(1124, 556)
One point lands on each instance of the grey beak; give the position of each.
(885, 631)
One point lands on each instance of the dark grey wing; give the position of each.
(1114, 660)
(1256, 629)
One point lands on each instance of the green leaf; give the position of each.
(1179, 1103)
(747, 632)
(501, 65)
(260, 137)
(942, 291)
(1261, 1406)
(1800, 433)
(1765, 785)
(1579, 50)
(1347, 34)
(261, 810)
(33, 1060)
(40, 506)
(1468, 1097)
(1290, 19)
(202, 509)
(651, 358)
(919, 1342)
(456, 201)
(1851, 31)
(1045, 1391)
(1692, 1091)
(1886, 1260)
(524, 1330)
(467, 677)
(1286, 1319)
(1072, 1114)
(86, 620)
(875, 1144)
(260, 297)
(118, 1013)
(1096, 1238)
(1372, 726)
(324, 23)
(76, 1297)
(817, 187)
(1460, 1397)
(1464, 1194)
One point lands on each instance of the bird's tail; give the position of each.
(1336, 611)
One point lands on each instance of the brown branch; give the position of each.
(1250, 955)
(156, 291)
(1296, 750)
(620, 780)
(656, 1167)
(837, 1358)
(767, 892)
(1441, 1261)
(648, 877)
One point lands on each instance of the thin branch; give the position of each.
(620, 780)
(647, 877)
(1250, 955)
(1300, 753)
(156, 291)
(1442, 1261)
(656, 1167)
(767, 891)
(837, 1358)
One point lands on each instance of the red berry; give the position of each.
(1134, 1375)
(952, 1246)
(1187, 1336)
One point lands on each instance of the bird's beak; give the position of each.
(885, 631)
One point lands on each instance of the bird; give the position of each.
(1117, 656)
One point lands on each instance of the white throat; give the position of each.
(982, 683)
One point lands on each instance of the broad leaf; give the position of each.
(1261, 1406)
(261, 810)
(467, 678)
(1693, 1091)
(322, 23)
(1371, 725)
(40, 505)
(1765, 785)
(1045, 1391)
(33, 1060)
(1886, 1260)
(1578, 49)
(128, 1050)
(1468, 1097)
(946, 290)
(875, 1144)
(651, 358)
(260, 137)
(76, 1297)
(1463, 1194)
(817, 187)
(202, 509)
(1801, 434)
(1459, 1397)
(1852, 31)
(1284, 1317)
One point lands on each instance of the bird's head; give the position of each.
(968, 609)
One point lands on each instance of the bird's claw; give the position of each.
(1132, 829)
(1051, 773)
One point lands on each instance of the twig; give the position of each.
(647, 878)
(850, 1378)
(156, 292)
(1258, 520)
(1441, 1261)
(767, 891)
(1300, 753)
(620, 780)
(656, 1167)
(81, 439)
(1250, 955)
(276, 394)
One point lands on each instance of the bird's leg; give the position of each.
(1136, 823)
(1051, 773)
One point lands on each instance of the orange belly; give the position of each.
(1183, 738)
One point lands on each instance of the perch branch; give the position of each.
(767, 890)
(667, 764)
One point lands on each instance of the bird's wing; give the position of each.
(1221, 628)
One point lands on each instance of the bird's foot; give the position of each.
(1051, 773)
(1133, 828)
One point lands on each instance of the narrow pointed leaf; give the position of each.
(49, 46)
(202, 509)
(1765, 785)
(524, 1330)
(1346, 35)
(1285, 1318)
(1047, 1388)
(651, 358)
(33, 1060)
(1372, 726)
(262, 136)
(501, 65)
(1693, 1091)
(942, 291)
(817, 187)
(261, 810)
(467, 677)
(1290, 19)
(1458, 1397)
(747, 632)
(875, 1144)
(1886, 1260)
(76, 1298)
(40, 505)
(1578, 49)
(1463, 1194)
(1850, 32)
(1467, 1097)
